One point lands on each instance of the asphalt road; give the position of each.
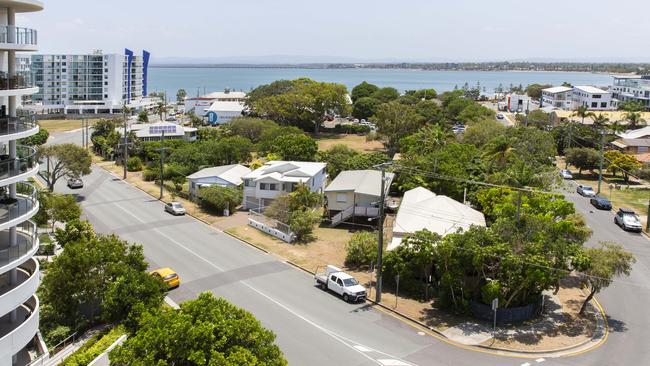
(317, 328)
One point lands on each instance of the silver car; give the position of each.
(175, 208)
(75, 183)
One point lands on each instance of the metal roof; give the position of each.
(367, 182)
(230, 173)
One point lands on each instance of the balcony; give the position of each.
(16, 85)
(12, 296)
(18, 38)
(26, 246)
(15, 211)
(14, 128)
(25, 165)
(14, 336)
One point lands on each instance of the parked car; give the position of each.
(566, 174)
(167, 276)
(628, 220)
(500, 116)
(175, 208)
(341, 283)
(601, 203)
(585, 191)
(75, 183)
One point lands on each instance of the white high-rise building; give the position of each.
(634, 88)
(19, 271)
(90, 83)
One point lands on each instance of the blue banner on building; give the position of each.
(145, 72)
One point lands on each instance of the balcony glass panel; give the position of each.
(18, 35)
(13, 208)
(12, 125)
(24, 161)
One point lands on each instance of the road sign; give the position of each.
(495, 304)
(212, 117)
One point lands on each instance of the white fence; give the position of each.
(288, 237)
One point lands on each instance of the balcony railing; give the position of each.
(21, 80)
(28, 278)
(13, 125)
(24, 161)
(24, 206)
(18, 35)
(27, 243)
(15, 336)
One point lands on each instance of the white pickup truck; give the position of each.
(341, 283)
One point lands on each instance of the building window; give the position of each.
(268, 187)
(594, 104)
(341, 197)
(603, 105)
(596, 96)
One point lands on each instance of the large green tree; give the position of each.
(206, 331)
(363, 90)
(65, 160)
(583, 158)
(295, 147)
(251, 128)
(365, 107)
(396, 121)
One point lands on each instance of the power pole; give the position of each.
(380, 239)
(125, 152)
(162, 162)
(568, 145)
(83, 134)
(602, 157)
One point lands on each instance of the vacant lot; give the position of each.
(355, 142)
(63, 125)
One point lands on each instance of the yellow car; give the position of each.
(168, 276)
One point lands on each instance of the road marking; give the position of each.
(540, 360)
(171, 302)
(362, 349)
(390, 362)
(525, 364)
(421, 333)
(341, 339)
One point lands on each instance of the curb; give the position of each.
(406, 317)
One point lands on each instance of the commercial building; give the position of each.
(632, 89)
(572, 98)
(223, 112)
(200, 104)
(422, 209)
(265, 184)
(518, 103)
(93, 83)
(19, 270)
(223, 176)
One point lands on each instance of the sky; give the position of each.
(348, 30)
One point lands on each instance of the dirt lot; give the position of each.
(355, 142)
(63, 125)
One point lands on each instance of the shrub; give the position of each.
(94, 347)
(361, 249)
(216, 198)
(302, 222)
(57, 335)
(134, 164)
(150, 174)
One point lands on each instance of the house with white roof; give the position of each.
(224, 176)
(355, 193)
(155, 131)
(276, 178)
(422, 209)
(571, 98)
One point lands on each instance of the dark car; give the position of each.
(601, 203)
(628, 220)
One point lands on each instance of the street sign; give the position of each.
(495, 304)
(212, 117)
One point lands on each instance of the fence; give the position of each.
(270, 226)
(506, 315)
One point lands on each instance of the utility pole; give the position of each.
(125, 144)
(568, 145)
(380, 239)
(162, 162)
(83, 133)
(602, 157)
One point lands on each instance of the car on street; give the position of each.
(600, 203)
(167, 276)
(341, 283)
(628, 220)
(566, 174)
(175, 208)
(75, 183)
(585, 191)
(500, 116)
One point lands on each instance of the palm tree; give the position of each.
(498, 151)
(583, 112)
(616, 127)
(601, 121)
(634, 120)
(160, 109)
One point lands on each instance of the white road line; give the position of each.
(335, 336)
(525, 364)
(540, 360)
(390, 362)
(362, 349)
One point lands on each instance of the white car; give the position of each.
(500, 116)
(341, 283)
(175, 208)
(566, 174)
(585, 191)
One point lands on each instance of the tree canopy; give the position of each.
(64, 160)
